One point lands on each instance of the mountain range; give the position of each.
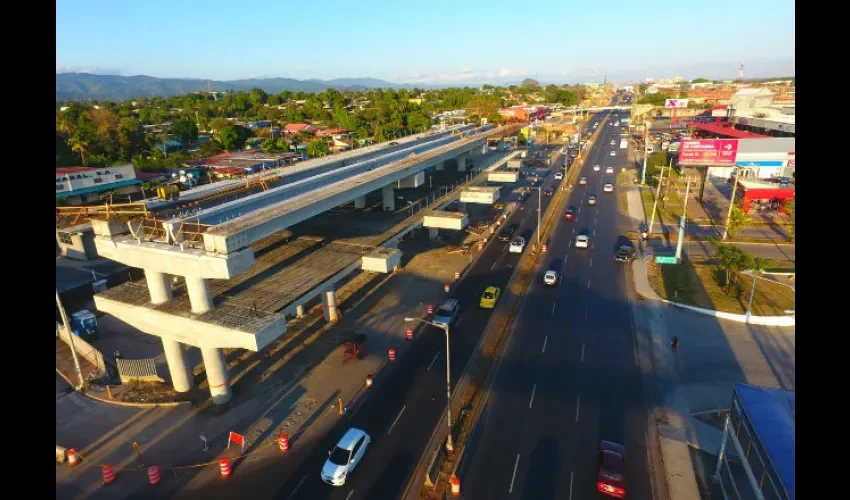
(87, 86)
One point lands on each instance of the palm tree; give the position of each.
(80, 145)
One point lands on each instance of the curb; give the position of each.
(121, 403)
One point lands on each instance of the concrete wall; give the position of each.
(83, 348)
(76, 242)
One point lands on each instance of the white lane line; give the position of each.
(578, 405)
(494, 265)
(432, 361)
(396, 418)
(533, 390)
(349, 494)
(570, 245)
(571, 485)
(297, 488)
(545, 340)
(591, 262)
(582, 352)
(513, 477)
(553, 308)
(588, 284)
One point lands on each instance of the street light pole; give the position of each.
(70, 333)
(445, 328)
(539, 209)
(645, 152)
(731, 204)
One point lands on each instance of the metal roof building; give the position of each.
(761, 429)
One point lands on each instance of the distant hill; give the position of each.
(87, 86)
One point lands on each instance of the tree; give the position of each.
(80, 145)
(216, 124)
(272, 145)
(700, 80)
(790, 209)
(258, 96)
(482, 105)
(233, 137)
(732, 260)
(531, 84)
(521, 140)
(737, 220)
(317, 149)
(185, 130)
(210, 148)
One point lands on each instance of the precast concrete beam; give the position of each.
(159, 287)
(433, 233)
(171, 259)
(461, 161)
(360, 202)
(175, 356)
(414, 181)
(441, 165)
(329, 306)
(200, 294)
(217, 376)
(388, 193)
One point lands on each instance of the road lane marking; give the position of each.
(570, 245)
(591, 262)
(349, 494)
(582, 352)
(588, 284)
(396, 418)
(297, 488)
(571, 485)
(533, 390)
(545, 339)
(513, 477)
(432, 361)
(494, 265)
(578, 406)
(553, 308)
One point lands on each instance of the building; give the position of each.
(759, 432)
(295, 128)
(85, 185)
(761, 159)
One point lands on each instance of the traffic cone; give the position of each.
(108, 474)
(153, 475)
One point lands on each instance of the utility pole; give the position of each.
(655, 203)
(67, 326)
(682, 222)
(669, 178)
(539, 205)
(731, 205)
(645, 152)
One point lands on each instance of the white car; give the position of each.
(550, 278)
(559, 176)
(345, 456)
(582, 241)
(613, 153)
(591, 200)
(609, 170)
(517, 245)
(612, 142)
(608, 188)
(596, 168)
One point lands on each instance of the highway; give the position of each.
(401, 412)
(569, 376)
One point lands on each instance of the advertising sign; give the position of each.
(676, 103)
(708, 152)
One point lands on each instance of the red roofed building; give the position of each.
(295, 128)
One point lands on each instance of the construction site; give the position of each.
(228, 269)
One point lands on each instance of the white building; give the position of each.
(79, 185)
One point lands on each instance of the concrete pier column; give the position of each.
(158, 286)
(299, 311)
(217, 376)
(175, 356)
(461, 161)
(441, 166)
(329, 305)
(433, 233)
(200, 295)
(360, 202)
(484, 148)
(388, 193)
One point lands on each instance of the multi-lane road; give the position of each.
(401, 412)
(569, 377)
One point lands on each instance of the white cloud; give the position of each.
(95, 70)
(505, 72)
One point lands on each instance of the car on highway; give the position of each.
(591, 200)
(446, 315)
(550, 277)
(625, 253)
(559, 176)
(570, 213)
(343, 459)
(489, 298)
(582, 240)
(596, 168)
(609, 170)
(611, 469)
(608, 188)
(613, 142)
(583, 180)
(613, 153)
(549, 192)
(508, 233)
(517, 245)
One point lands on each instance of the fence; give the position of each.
(131, 370)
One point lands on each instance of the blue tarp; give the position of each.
(772, 415)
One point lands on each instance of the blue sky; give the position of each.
(437, 41)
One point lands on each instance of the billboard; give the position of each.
(676, 103)
(708, 152)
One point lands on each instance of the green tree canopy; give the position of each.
(233, 137)
(185, 130)
(317, 149)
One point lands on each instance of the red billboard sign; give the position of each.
(708, 152)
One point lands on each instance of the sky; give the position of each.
(436, 42)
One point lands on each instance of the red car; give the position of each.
(611, 469)
(570, 213)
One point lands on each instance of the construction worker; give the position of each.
(675, 342)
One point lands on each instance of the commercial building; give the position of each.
(83, 185)
(761, 159)
(759, 433)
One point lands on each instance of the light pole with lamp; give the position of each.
(444, 328)
(645, 152)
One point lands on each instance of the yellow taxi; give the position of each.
(489, 298)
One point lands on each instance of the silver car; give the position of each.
(343, 459)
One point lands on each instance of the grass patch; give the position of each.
(700, 285)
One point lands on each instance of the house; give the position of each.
(296, 128)
(342, 145)
(335, 133)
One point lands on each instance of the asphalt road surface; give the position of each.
(401, 413)
(569, 377)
